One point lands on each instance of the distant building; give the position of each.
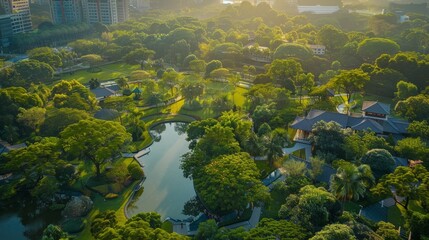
(105, 90)
(89, 11)
(66, 11)
(140, 5)
(5, 30)
(19, 11)
(375, 117)
(319, 6)
(421, 8)
(318, 49)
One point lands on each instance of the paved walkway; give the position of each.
(299, 146)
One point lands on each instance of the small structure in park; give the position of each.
(105, 90)
(375, 117)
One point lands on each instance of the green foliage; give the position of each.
(408, 182)
(326, 137)
(335, 232)
(135, 171)
(418, 223)
(349, 82)
(371, 48)
(380, 161)
(213, 65)
(277, 229)
(350, 182)
(94, 140)
(153, 218)
(312, 208)
(405, 90)
(412, 148)
(332, 37)
(222, 189)
(292, 50)
(419, 129)
(58, 119)
(388, 231)
(415, 108)
(54, 232)
(73, 225)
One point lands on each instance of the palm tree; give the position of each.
(273, 144)
(351, 182)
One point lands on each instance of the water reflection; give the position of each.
(165, 188)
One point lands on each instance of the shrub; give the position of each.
(111, 196)
(135, 171)
(73, 225)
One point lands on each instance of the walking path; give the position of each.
(299, 146)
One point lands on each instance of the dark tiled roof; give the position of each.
(366, 123)
(376, 107)
(391, 125)
(102, 92)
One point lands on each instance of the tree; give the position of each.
(222, 189)
(285, 72)
(212, 65)
(380, 161)
(33, 164)
(33, 71)
(412, 148)
(54, 232)
(371, 48)
(91, 59)
(312, 208)
(94, 140)
(294, 168)
(419, 129)
(331, 37)
(335, 232)
(349, 82)
(387, 231)
(135, 171)
(405, 90)
(407, 182)
(137, 56)
(198, 66)
(316, 167)
(192, 90)
(32, 117)
(351, 182)
(292, 50)
(170, 79)
(277, 229)
(207, 230)
(58, 119)
(326, 137)
(46, 55)
(273, 144)
(415, 108)
(304, 82)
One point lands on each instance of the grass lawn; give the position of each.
(396, 214)
(110, 71)
(100, 204)
(271, 208)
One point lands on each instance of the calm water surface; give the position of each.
(165, 188)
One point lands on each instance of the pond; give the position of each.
(22, 222)
(165, 190)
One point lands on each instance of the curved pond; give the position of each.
(165, 189)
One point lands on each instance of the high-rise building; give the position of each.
(5, 30)
(66, 11)
(122, 7)
(20, 14)
(103, 11)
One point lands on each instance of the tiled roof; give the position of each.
(376, 107)
(391, 125)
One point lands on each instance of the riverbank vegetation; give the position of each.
(241, 76)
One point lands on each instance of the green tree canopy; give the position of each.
(94, 140)
(331, 37)
(335, 232)
(380, 161)
(408, 182)
(229, 183)
(292, 50)
(277, 229)
(371, 48)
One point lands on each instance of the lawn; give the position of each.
(100, 204)
(107, 72)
